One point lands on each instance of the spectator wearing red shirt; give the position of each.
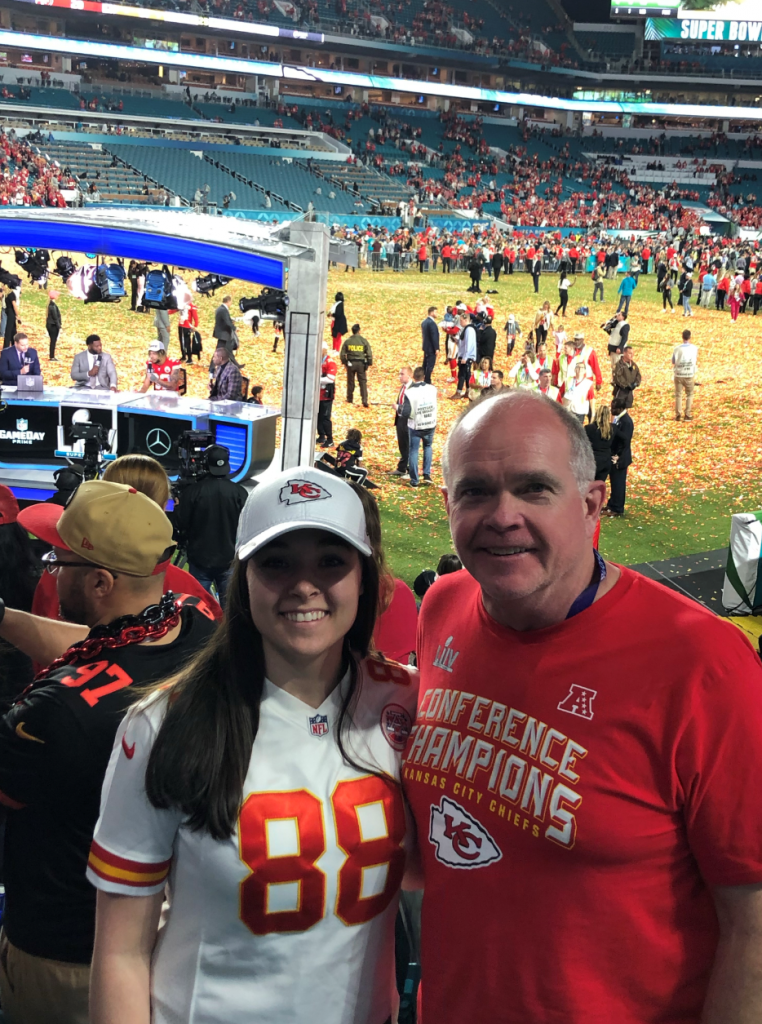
(185, 329)
(580, 816)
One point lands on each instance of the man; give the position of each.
(622, 429)
(586, 354)
(163, 373)
(618, 330)
(206, 516)
(684, 362)
(497, 384)
(420, 407)
(400, 422)
(111, 549)
(708, 285)
(575, 822)
(475, 267)
(466, 355)
(627, 286)
(227, 383)
(430, 343)
(325, 406)
(686, 291)
(626, 377)
(18, 360)
(357, 355)
(545, 387)
(486, 339)
(224, 328)
(161, 323)
(94, 368)
(562, 370)
(537, 271)
(598, 278)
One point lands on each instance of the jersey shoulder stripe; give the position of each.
(122, 871)
(381, 670)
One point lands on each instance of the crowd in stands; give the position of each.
(27, 178)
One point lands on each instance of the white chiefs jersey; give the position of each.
(291, 920)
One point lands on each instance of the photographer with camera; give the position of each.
(206, 517)
(94, 368)
(618, 330)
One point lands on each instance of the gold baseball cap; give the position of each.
(108, 524)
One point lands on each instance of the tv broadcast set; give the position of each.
(380, 587)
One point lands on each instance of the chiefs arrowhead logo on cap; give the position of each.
(302, 490)
(87, 545)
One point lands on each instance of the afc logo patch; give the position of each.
(579, 702)
(460, 840)
(396, 724)
(296, 491)
(318, 725)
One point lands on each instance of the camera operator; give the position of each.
(618, 330)
(206, 517)
(94, 368)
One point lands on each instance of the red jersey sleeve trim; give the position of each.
(122, 871)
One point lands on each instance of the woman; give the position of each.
(666, 294)
(52, 323)
(736, 298)
(543, 322)
(263, 780)
(599, 434)
(483, 376)
(564, 284)
(12, 317)
(723, 287)
(338, 320)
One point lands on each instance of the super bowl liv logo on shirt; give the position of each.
(445, 657)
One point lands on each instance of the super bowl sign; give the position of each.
(710, 29)
(22, 434)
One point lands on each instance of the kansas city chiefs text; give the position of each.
(528, 766)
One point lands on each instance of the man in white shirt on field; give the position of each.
(684, 360)
(420, 407)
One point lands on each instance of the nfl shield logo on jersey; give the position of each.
(460, 840)
(319, 725)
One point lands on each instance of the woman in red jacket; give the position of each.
(185, 329)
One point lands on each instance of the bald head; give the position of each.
(485, 419)
(523, 505)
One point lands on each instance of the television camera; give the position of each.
(270, 304)
(191, 450)
(95, 436)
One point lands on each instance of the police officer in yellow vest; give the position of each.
(357, 355)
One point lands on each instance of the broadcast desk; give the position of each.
(34, 426)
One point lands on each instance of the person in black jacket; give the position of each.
(53, 323)
(621, 458)
(206, 517)
(600, 435)
(430, 342)
(486, 339)
(475, 267)
(339, 325)
(497, 265)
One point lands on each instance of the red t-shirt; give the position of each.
(163, 371)
(577, 790)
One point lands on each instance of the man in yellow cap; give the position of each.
(110, 549)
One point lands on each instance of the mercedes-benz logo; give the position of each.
(158, 442)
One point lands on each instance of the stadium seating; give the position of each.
(94, 167)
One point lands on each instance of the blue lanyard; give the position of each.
(587, 596)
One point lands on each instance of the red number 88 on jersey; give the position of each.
(301, 814)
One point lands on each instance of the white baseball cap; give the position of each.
(156, 346)
(301, 499)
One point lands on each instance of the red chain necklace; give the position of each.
(152, 623)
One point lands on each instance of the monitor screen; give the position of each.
(701, 10)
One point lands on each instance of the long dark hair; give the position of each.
(203, 748)
(19, 567)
